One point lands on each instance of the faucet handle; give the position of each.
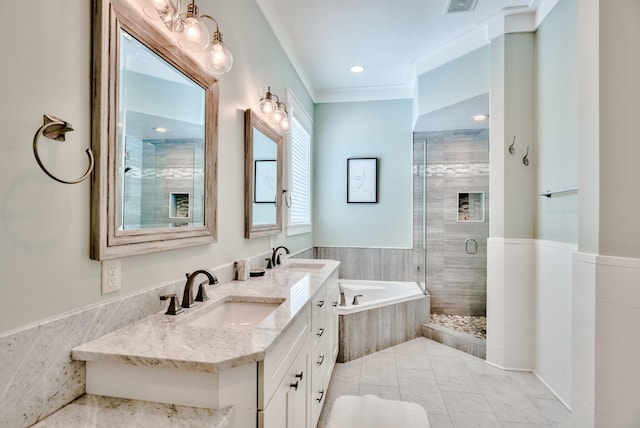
(268, 263)
(202, 293)
(174, 304)
(355, 299)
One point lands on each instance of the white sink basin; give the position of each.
(305, 267)
(232, 314)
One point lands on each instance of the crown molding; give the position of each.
(286, 43)
(510, 20)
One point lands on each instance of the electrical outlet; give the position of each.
(111, 271)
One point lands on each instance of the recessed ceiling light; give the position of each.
(357, 69)
(161, 130)
(480, 117)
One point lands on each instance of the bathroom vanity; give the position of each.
(265, 347)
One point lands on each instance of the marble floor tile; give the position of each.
(470, 410)
(449, 366)
(496, 384)
(457, 390)
(555, 412)
(514, 407)
(439, 421)
(531, 385)
(523, 425)
(381, 371)
(382, 391)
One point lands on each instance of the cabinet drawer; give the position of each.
(317, 394)
(318, 308)
(277, 360)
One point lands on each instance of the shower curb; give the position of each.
(460, 341)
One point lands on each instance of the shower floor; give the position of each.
(475, 326)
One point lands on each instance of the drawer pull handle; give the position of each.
(319, 399)
(299, 375)
(320, 303)
(320, 332)
(321, 360)
(294, 385)
(334, 304)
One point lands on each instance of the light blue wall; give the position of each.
(379, 129)
(44, 225)
(455, 81)
(557, 122)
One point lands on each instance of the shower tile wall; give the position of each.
(457, 161)
(173, 166)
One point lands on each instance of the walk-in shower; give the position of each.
(451, 223)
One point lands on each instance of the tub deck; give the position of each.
(380, 324)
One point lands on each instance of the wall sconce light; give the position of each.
(276, 111)
(192, 33)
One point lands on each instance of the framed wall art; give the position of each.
(265, 176)
(362, 180)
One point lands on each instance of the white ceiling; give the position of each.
(395, 40)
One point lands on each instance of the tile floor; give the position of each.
(456, 389)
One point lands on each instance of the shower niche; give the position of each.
(471, 207)
(179, 206)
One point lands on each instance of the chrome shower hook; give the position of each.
(55, 129)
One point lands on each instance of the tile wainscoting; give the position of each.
(377, 264)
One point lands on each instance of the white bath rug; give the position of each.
(369, 411)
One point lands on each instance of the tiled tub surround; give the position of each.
(38, 376)
(379, 323)
(377, 264)
(165, 359)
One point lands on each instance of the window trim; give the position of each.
(298, 112)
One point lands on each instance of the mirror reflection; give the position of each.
(155, 124)
(263, 171)
(265, 153)
(161, 142)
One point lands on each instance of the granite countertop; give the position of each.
(169, 341)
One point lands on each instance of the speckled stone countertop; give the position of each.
(170, 341)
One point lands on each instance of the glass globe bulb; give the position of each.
(219, 59)
(160, 10)
(278, 115)
(267, 106)
(284, 124)
(194, 35)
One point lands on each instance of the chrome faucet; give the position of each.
(275, 257)
(343, 302)
(187, 298)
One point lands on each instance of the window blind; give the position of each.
(300, 211)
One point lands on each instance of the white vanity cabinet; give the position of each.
(324, 333)
(295, 374)
(274, 376)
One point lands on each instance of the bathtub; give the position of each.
(376, 294)
(388, 313)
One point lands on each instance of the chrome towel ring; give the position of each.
(55, 129)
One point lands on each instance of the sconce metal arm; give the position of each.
(55, 129)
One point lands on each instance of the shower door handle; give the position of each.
(471, 246)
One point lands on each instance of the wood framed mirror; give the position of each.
(263, 177)
(154, 136)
